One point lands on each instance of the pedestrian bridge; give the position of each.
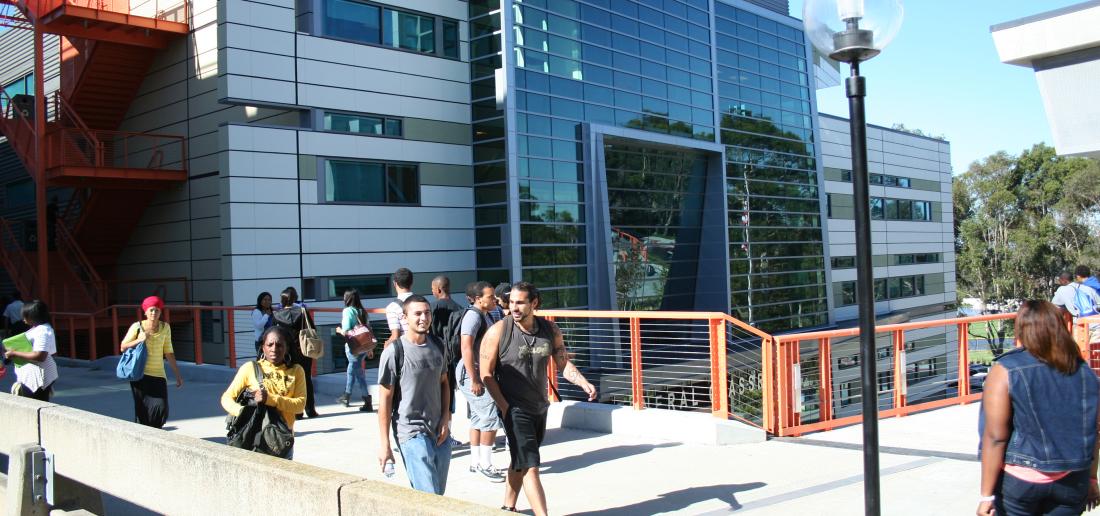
(928, 463)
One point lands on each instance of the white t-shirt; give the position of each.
(35, 375)
(1066, 294)
(395, 314)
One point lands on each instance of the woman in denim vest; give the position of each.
(1038, 441)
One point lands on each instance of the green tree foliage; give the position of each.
(1020, 221)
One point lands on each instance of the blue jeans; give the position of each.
(355, 372)
(1067, 496)
(426, 463)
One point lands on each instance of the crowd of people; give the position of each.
(493, 349)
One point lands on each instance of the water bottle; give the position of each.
(388, 469)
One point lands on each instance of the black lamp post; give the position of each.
(853, 31)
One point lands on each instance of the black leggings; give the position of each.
(42, 394)
(150, 400)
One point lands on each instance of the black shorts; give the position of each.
(525, 431)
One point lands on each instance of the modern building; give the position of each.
(1064, 50)
(649, 154)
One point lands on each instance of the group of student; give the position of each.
(495, 351)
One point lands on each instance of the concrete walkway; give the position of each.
(930, 466)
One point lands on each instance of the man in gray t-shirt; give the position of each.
(420, 422)
(484, 416)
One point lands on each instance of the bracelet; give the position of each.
(989, 498)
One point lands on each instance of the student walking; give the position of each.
(514, 354)
(151, 391)
(293, 318)
(402, 281)
(35, 378)
(484, 416)
(1039, 457)
(443, 328)
(261, 318)
(355, 315)
(283, 386)
(413, 390)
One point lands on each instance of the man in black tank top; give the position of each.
(513, 358)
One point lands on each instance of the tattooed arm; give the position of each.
(490, 344)
(568, 370)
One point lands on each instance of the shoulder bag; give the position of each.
(308, 340)
(131, 365)
(259, 428)
(360, 339)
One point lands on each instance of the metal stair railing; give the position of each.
(93, 285)
(16, 261)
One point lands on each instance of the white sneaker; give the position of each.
(492, 474)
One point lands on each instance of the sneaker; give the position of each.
(456, 444)
(492, 474)
(473, 469)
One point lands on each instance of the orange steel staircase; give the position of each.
(107, 47)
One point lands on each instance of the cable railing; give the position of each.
(788, 385)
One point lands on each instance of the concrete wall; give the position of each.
(172, 474)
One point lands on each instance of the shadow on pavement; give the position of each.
(325, 431)
(576, 462)
(681, 499)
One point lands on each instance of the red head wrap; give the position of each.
(152, 301)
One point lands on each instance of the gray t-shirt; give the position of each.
(472, 323)
(420, 408)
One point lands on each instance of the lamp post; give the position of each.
(853, 31)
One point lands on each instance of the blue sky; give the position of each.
(942, 75)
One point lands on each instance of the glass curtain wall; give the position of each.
(777, 269)
(640, 64)
(490, 165)
(656, 208)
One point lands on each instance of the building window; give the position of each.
(362, 124)
(408, 31)
(849, 393)
(374, 286)
(925, 369)
(901, 209)
(885, 381)
(885, 288)
(371, 183)
(369, 23)
(844, 262)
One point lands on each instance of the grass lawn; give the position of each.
(981, 356)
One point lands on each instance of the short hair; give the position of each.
(352, 299)
(474, 289)
(1065, 276)
(260, 298)
(443, 282)
(403, 278)
(531, 290)
(36, 312)
(288, 297)
(1083, 271)
(281, 332)
(503, 290)
(415, 298)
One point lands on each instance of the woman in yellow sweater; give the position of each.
(284, 386)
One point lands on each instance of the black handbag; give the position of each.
(258, 427)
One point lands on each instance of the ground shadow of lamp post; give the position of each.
(853, 31)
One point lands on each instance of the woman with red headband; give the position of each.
(151, 391)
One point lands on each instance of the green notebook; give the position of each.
(18, 343)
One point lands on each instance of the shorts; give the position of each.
(525, 431)
(483, 412)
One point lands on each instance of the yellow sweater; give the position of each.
(286, 389)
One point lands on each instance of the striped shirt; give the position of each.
(36, 375)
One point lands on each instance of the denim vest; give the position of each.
(1053, 414)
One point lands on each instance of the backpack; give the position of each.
(1083, 302)
(258, 428)
(452, 337)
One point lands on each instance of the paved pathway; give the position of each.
(930, 468)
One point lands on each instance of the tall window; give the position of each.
(371, 183)
(408, 31)
(353, 20)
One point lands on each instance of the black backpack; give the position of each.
(258, 428)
